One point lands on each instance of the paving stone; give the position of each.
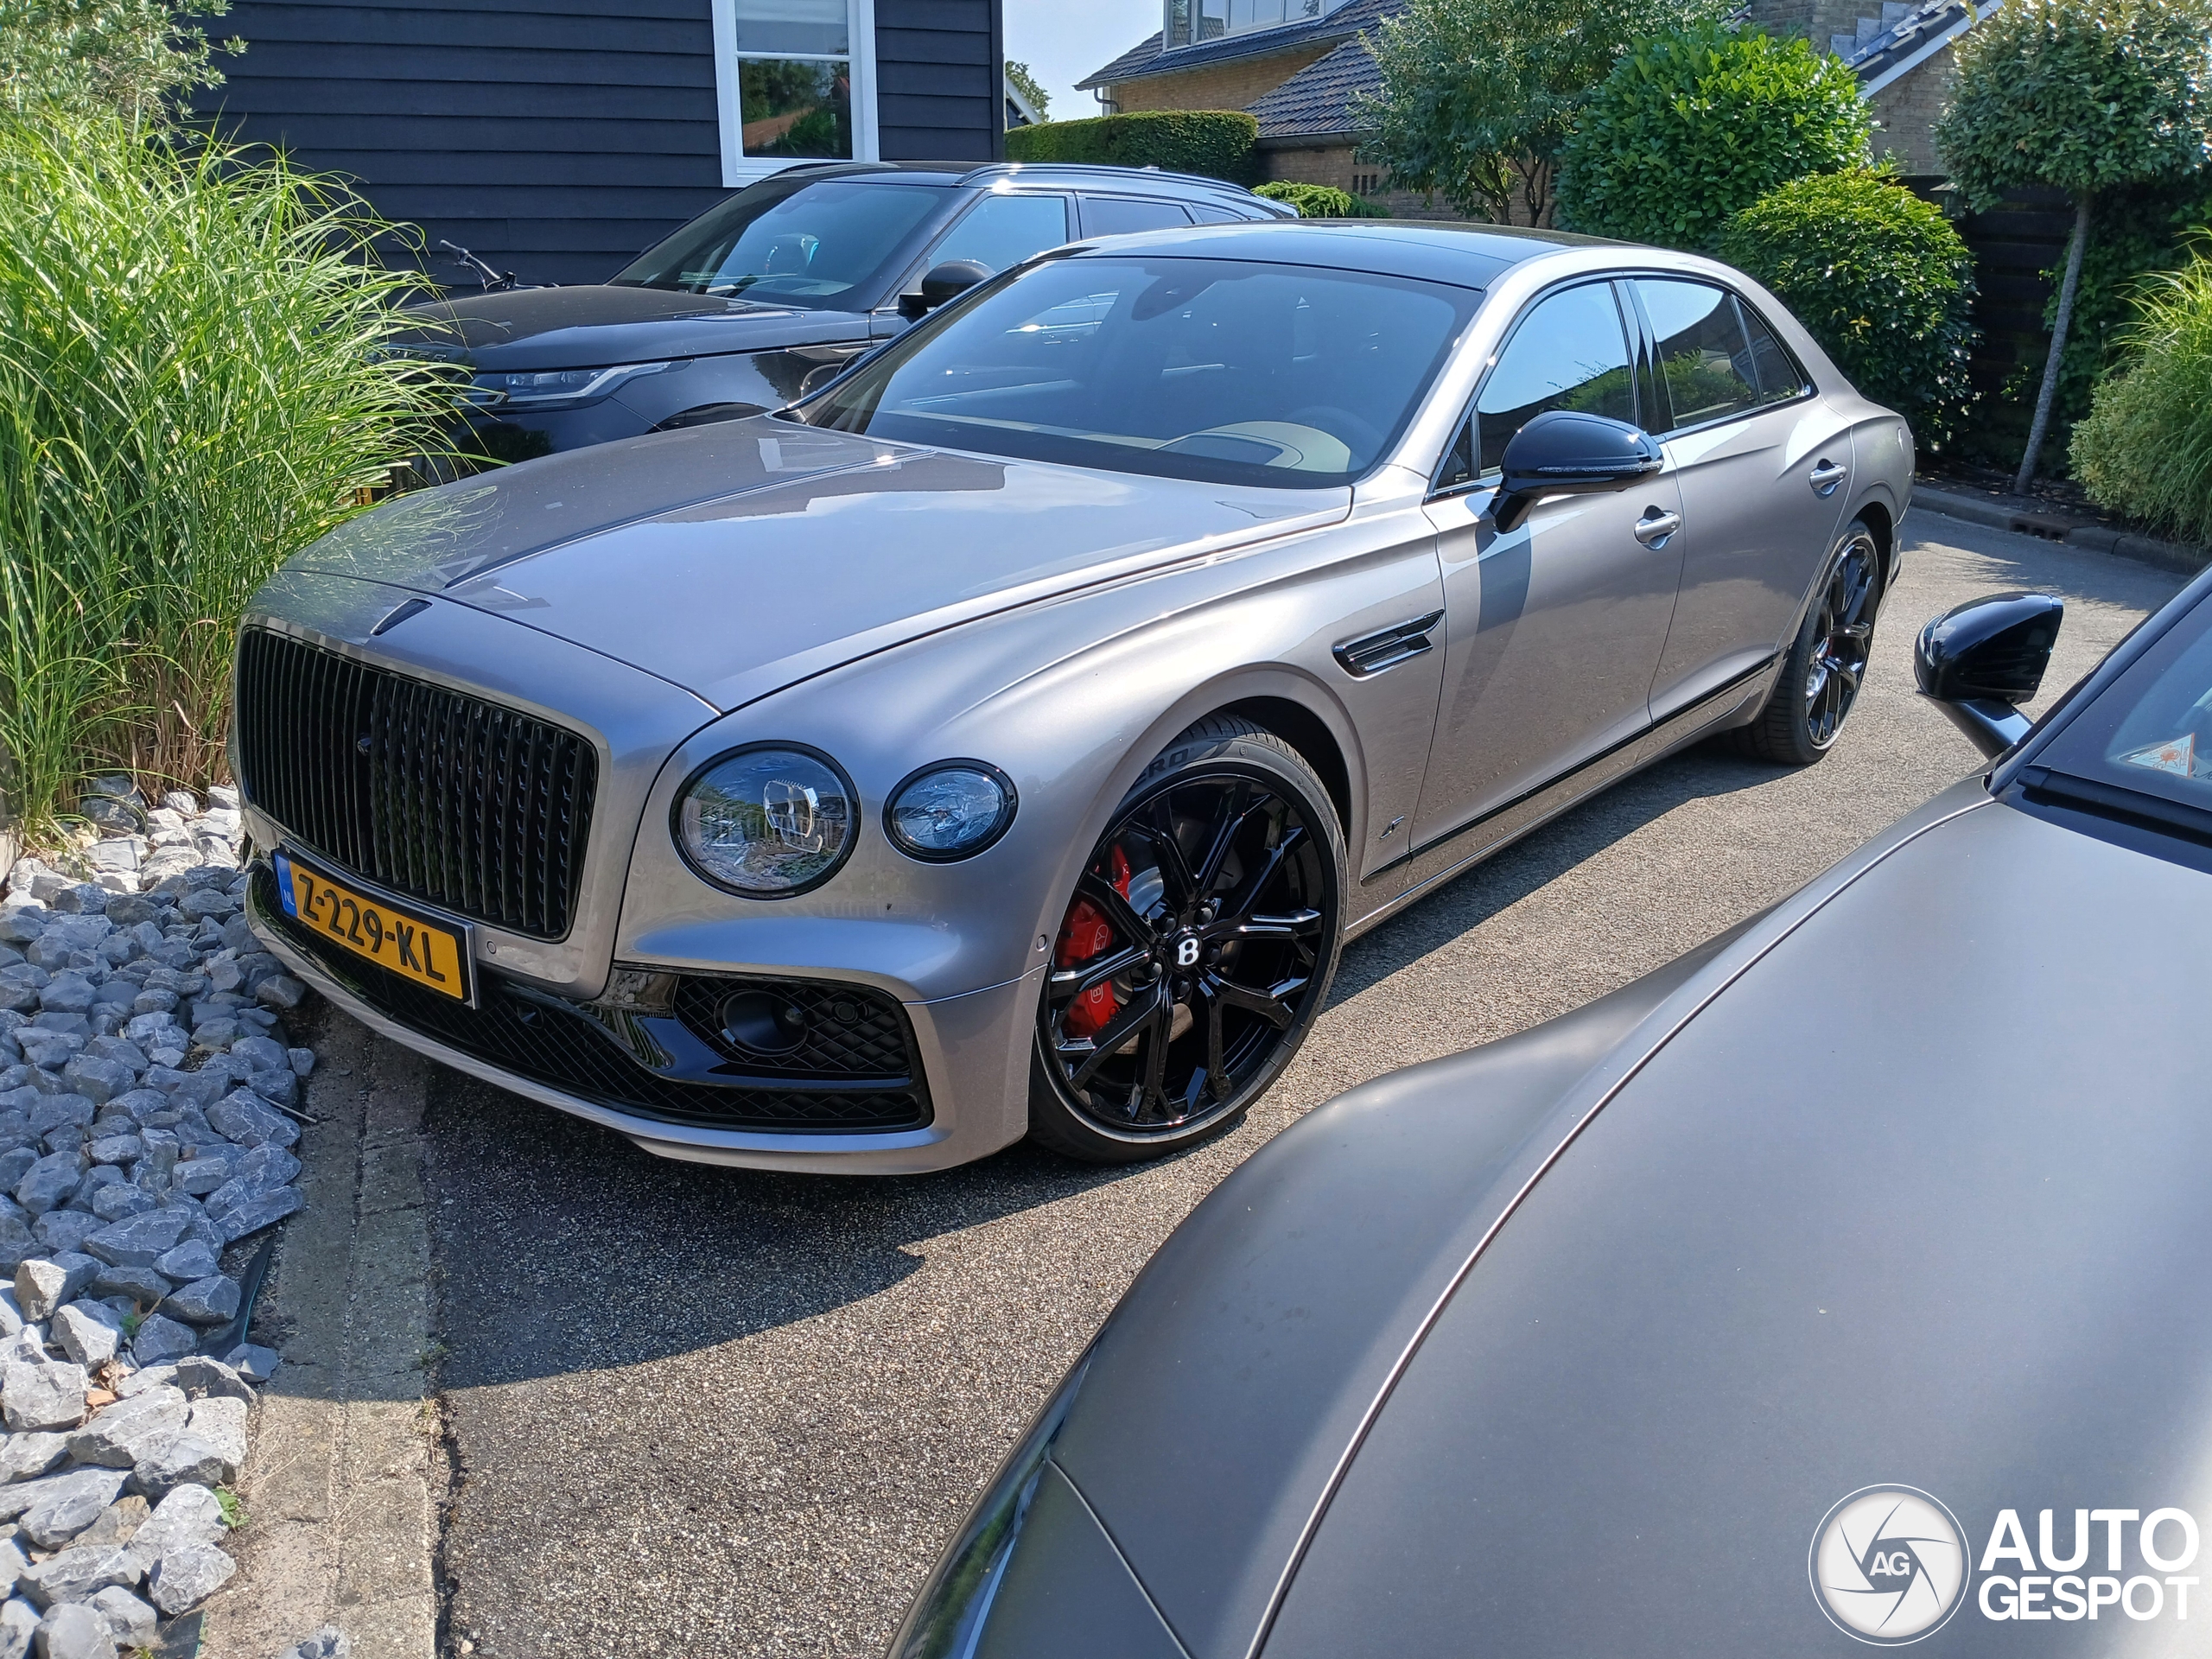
(212, 1301)
(26, 1457)
(49, 1397)
(75, 1629)
(69, 1504)
(162, 1339)
(184, 1577)
(90, 1341)
(77, 1575)
(138, 1240)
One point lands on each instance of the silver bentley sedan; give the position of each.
(1004, 739)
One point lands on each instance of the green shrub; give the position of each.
(2145, 448)
(1322, 201)
(1694, 126)
(135, 57)
(191, 388)
(1216, 143)
(1878, 278)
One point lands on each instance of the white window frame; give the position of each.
(739, 168)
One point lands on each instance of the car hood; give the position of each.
(736, 559)
(1920, 1202)
(597, 324)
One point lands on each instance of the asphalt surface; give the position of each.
(705, 1411)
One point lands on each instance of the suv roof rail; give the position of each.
(1104, 170)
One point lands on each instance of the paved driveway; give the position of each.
(698, 1411)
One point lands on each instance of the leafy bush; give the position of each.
(1322, 201)
(1694, 126)
(134, 57)
(1476, 97)
(1216, 143)
(2145, 448)
(191, 387)
(1877, 277)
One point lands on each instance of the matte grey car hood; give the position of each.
(736, 559)
(598, 324)
(1919, 1200)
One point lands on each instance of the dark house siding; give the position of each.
(557, 137)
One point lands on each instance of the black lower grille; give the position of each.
(559, 1043)
(461, 802)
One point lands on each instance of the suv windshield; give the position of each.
(824, 246)
(2150, 732)
(1236, 372)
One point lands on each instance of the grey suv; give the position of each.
(787, 280)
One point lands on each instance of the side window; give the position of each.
(1122, 216)
(1003, 230)
(1568, 351)
(1206, 213)
(1705, 361)
(1779, 376)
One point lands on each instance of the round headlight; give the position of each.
(951, 810)
(767, 822)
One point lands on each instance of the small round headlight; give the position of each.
(953, 809)
(767, 822)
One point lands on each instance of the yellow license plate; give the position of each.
(434, 955)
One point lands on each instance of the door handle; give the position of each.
(1655, 527)
(1825, 476)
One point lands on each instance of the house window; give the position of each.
(1185, 22)
(795, 83)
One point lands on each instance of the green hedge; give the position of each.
(1878, 278)
(1692, 126)
(2145, 448)
(1322, 201)
(1216, 143)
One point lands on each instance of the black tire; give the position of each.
(1826, 669)
(1219, 882)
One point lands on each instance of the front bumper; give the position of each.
(962, 1095)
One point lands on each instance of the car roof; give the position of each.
(1471, 256)
(1146, 180)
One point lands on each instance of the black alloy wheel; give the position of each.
(1826, 667)
(1196, 952)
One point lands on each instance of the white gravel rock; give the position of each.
(75, 1629)
(48, 1396)
(19, 1623)
(184, 1577)
(91, 1342)
(130, 1621)
(26, 1457)
(125, 1431)
(68, 1503)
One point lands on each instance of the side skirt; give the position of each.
(1441, 860)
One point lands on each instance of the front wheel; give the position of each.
(1194, 954)
(1826, 666)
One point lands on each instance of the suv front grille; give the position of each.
(462, 802)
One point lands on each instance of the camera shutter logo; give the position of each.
(1889, 1565)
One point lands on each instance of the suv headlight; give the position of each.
(768, 821)
(550, 388)
(948, 809)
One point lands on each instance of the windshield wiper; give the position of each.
(2115, 801)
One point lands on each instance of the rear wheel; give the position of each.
(1194, 954)
(1826, 666)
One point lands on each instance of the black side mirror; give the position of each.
(945, 282)
(1564, 452)
(1980, 659)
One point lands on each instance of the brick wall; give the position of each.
(1220, 86)
(1908, 109)
(1339, 165)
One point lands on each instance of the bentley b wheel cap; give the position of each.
(1889, 1565)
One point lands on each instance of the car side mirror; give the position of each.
(1565, 452)
(1980, 659)
(945, 282)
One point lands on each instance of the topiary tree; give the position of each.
(1478, 95)
(1877, 277)
(1321, 200)
(1695, 125)
(2082, 95)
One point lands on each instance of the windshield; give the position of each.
(2150, 732)
(825, 247)
(1215, 369)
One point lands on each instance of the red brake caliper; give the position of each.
(1083, 935)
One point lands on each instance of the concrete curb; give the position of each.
(2185, 557)
(346, 1471)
